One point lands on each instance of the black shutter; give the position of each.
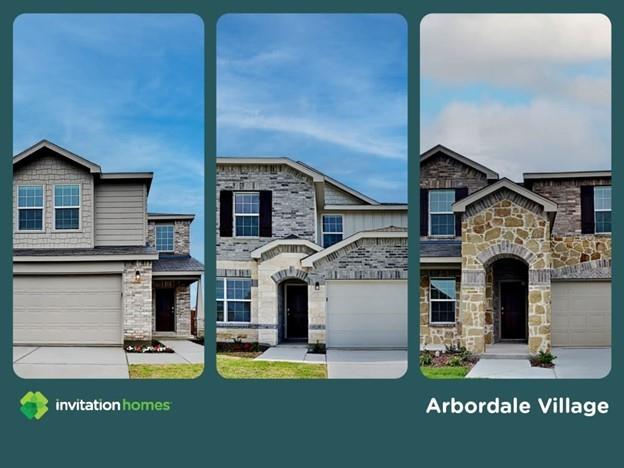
(225, 213)
(266, 213)
(461, 192)
(587, 209)
(424, 212)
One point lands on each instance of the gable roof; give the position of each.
(314, 174)
(489, 173)
(548, 205)
(45, 144)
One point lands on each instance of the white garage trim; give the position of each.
(367, 314)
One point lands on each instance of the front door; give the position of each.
(296, 311)
(165, 310)
(513, 310)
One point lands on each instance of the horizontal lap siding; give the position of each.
(358, 221)
(120, 214)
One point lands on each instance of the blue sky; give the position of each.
(125, 91)
(518, 92)
(328, 90)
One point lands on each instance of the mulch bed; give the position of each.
(241, 348)
(442, 359)
(153, 346)
(536, 363)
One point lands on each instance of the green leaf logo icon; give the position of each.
(34, 405)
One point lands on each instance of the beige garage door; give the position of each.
(581, 313)
(72, 310)
(367, 314)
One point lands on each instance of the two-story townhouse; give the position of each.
(505, 262)
(91, 266)
(302, 257)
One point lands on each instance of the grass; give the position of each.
(445, 372)
(233, 367)
(165, 371)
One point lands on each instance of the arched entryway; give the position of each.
(292, 302)
(507, 300)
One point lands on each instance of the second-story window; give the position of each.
(246, 214)
(164, 238)
(602, 209)
(441, 217)
(332, 229)
(67, 207)
(30, 208)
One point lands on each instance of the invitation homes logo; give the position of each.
(34, 405)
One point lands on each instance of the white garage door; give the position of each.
(367, 314)
(72, 310)
(581, 313)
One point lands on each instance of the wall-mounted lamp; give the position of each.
(317, 286)
(137, 276)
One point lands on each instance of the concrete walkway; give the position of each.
(571, 363)
(70, 362)
(291, 353)
(185, 352)
(366, 364)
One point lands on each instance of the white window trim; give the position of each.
(445, 236)
(42, 208)
(323, 232)
(602, 210)
(156, 226)
(234, 214)
(431, 300)
(225, 300)
(54, 207)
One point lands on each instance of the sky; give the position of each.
(518, 92)
(329, 90)
(124, 91)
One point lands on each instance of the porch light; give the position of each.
(317, 286)
(137, 276)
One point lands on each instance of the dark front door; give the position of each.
(513, 310)
(165, 310)
(296, 311)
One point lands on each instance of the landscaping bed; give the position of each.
(452, 363)
(146, 347)
(241, 350)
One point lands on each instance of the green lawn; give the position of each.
(165, 371)
(233, 367)
(445, 372)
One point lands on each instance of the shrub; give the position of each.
(455, 361)
(545, 358)
(426, 358)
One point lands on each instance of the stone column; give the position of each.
(539, 314)
(472, 313)
(316, 314)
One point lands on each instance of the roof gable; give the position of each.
(45, 147)
(443, 150)
(504, 183)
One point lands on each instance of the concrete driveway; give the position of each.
(366, 364)
(571, 363)
(70, 362)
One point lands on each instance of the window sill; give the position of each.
(443, 324)
(24, 231)
(71, 231)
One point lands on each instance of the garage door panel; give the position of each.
(581, 313)
(72, 309)
(367, 314)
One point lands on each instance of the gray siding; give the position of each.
(335, 196)
(120, 214)
(357, 221)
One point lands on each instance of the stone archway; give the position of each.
(290, 273)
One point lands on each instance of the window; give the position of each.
(441, 217)
(332, 229)
(30, 208)
(164, 238)
(67, 206)
(233, 300)
(602, 209)
(247, 214)
(442, 300)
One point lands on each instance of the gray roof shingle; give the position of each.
(440, 248)
(177, 263)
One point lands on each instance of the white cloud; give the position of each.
(541, 136)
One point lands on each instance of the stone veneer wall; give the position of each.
(48, 170)
(505, 225)
(183, 309)
(137, 301)
(439, 172)
(567, 194)
(575, 249)
(293, 204)
(181, 235)
(438, 334)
